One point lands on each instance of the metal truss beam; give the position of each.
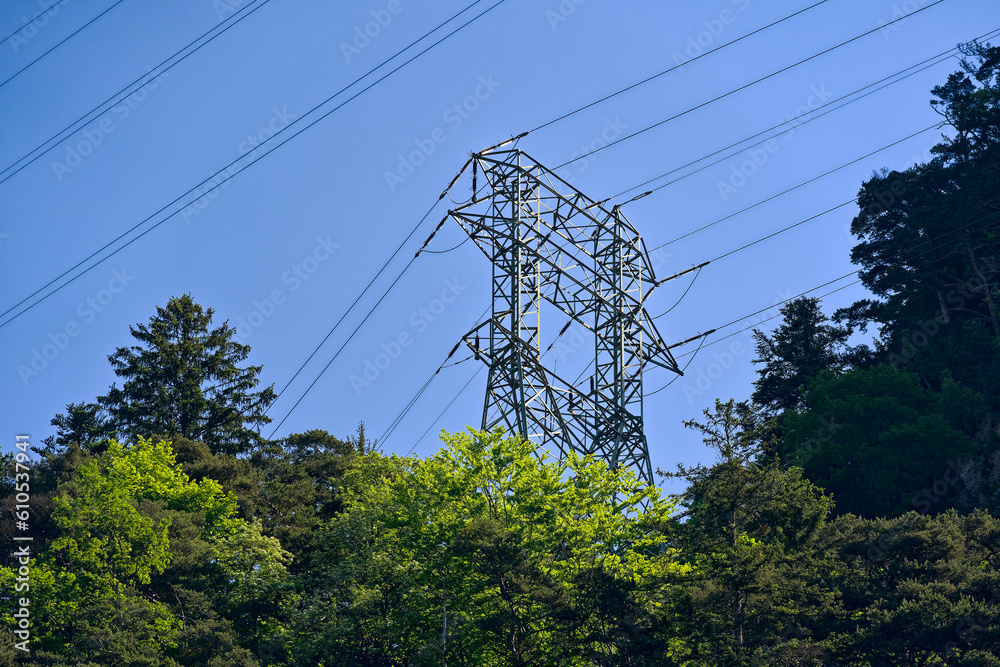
(549, 242)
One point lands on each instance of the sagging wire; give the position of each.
(441, 252)
(690, 285)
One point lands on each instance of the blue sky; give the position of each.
(284, 247)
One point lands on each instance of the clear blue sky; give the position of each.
(312, 222)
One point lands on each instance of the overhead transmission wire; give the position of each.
(446, 408)
(796, 121)
(796, 187)
(215, 186)
(703, 337)
(202, 182)
(744, 86)
(409, 406)
(699, 268)
(237, 160)
(406, 409)
(356, 300)
(813, 117)
(73, 34)
(33, 19)
(784, 192)
(848, 41)
(986, 219)
(421, 391)
(129, 90)
(675, 67)
(674, 379)
(690, 285)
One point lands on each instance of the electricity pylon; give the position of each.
(549, 242)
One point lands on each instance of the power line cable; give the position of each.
(446, 408)
(127, 91)
(812, 116)
(241, 169)
(986, 220)
(73, 34)
(342, 346)
(33, 19)
(744, 86)
(767, 319)
(675, 67)
(791, 189)
(703, 337)
(353, 304)
(690, 285)
(674, 379)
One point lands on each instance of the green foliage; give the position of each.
(919, 589)
(133, 529)
(753, 536)
(295, 488)
(928, 245)
(795, 353)
(874, 439)
(183, 379)
(487, 554)
(208, 546)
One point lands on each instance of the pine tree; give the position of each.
(184, 379)
(795, 353)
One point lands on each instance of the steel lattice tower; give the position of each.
(549, 242)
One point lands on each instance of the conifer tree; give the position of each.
(185, 379)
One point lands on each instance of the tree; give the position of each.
(84, 425)
(184, 379)
(484, 555)
(752, 534)
(918, 589)
(137, 573)
(802, 346)
(295, 488)
(874, 439)
(928, 246)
